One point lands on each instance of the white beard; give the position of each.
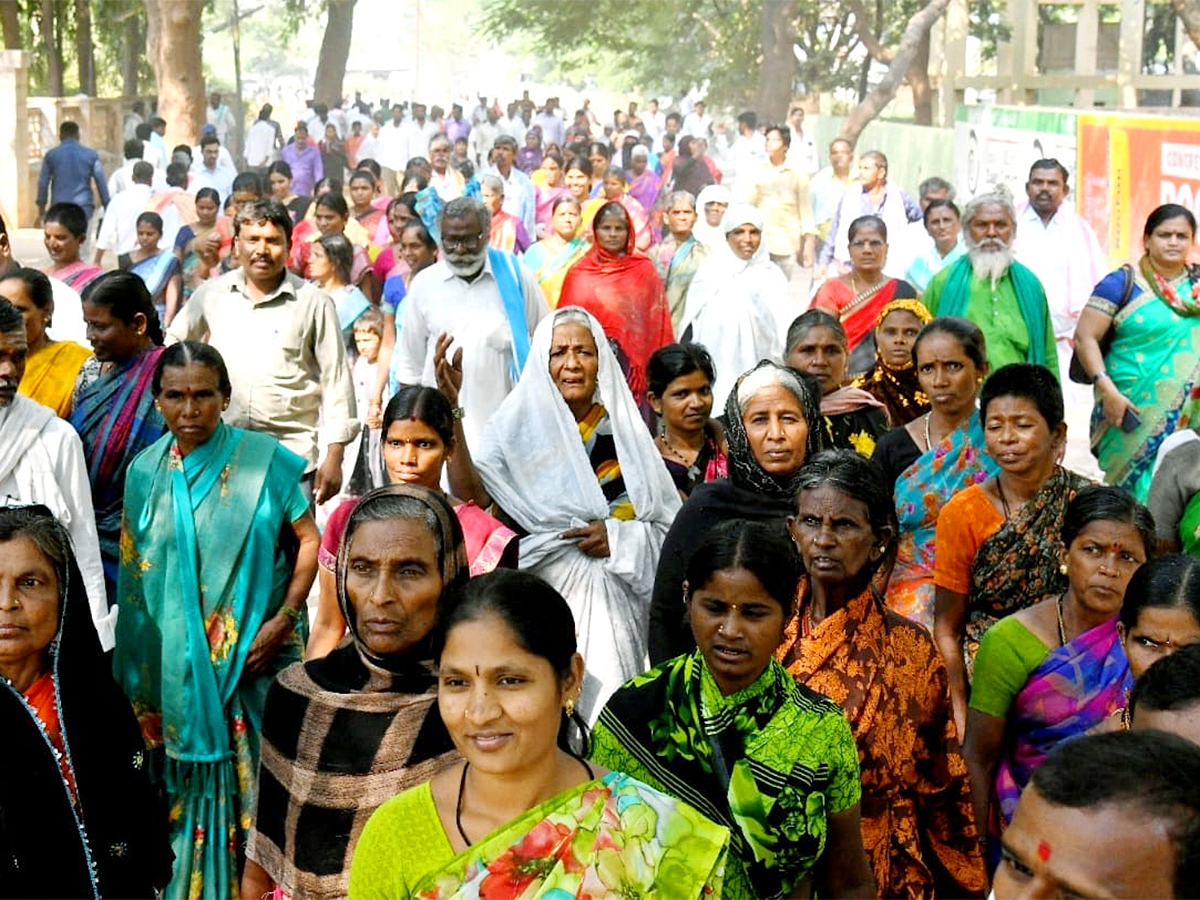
(990, 264)
(465, 269)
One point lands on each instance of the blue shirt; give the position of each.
(67, 174)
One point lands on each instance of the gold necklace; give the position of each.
(671, 449)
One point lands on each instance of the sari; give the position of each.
(855, 420)
(677, 264)
(156, 273)
(644, 189)
(958, 461)
(607, 837)
(1189, 527)
(116, 419)
(897, 389)
(626, 296)
(859, 313)
(77, 275)
(551, 265)
(1154, 360)
(192, 267)
(886, 673)
(342, 735)
(50, 375)
(1075, 687)
(639, 219)
(201, 571)
(1019, 564)
(771, 763)
(544, 205)
(507, 233)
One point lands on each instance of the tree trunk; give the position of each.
(10, 17)
(335, 51)
(777, 76)
(83, 48)
(52, 49)
(1189, 12)
(174, 42)
(918, 80)
(906, 53)
(129, 59)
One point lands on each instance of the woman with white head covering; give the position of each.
(711, 204)
(739, 305)
(569, 459)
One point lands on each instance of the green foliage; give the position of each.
(110, 42)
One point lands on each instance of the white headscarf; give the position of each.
(712, 237)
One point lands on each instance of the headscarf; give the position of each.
(624, 292)
(896, 388)
(711, 236)
(744, 470)
(452, 559)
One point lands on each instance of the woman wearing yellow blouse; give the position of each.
(51, 366)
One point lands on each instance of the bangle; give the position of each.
(374, 404)
(458, 412)
(290, 612)
(1103, 373)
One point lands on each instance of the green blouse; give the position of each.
(1008, 654)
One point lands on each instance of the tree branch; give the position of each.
(1189, 12)
(862, 27)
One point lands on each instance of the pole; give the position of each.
(239, 105)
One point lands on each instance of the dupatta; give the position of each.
(1075, 687)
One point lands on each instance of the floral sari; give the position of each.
(1075, 687)
(1154, 360)
(1019, 564)
(958, 461)
(201, 571)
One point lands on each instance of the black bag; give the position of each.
(1076, 371)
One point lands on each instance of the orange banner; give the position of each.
(1128, 165)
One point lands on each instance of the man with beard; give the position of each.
(997, 293)
(280, 338)
(474, 310)
(1060, 248)
(41, 461)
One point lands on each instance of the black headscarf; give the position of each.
(115, 842)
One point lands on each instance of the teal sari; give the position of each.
(201, 571)
(1154, 360)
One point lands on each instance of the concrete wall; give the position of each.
(914, 152)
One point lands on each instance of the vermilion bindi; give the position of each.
(1043, 851)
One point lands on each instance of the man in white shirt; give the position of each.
(118, 232)
(122, 178)
(697, 123)
(263, 140)
(741, 159)
(419, 130)
(483, 137)
(212, 169)
(802, 152)
(654, 122)
(461, 298)
(217, 115)
(41, 461)
(392, 152)
(551, 123)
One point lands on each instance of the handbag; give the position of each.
(1076, 372)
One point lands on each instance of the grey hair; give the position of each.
(495, 182)
(933, 183)
(465, 208)
(384, 507)
(681, 195)
(999, 195)
(572, 315)
(766, 376)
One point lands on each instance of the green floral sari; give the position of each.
(771, 762)
(201, 571)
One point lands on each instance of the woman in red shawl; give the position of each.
(623, 291)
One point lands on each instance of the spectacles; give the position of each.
(874, 244)
(465, 243)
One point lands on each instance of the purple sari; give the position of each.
(1073, 689)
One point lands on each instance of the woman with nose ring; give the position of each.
(526, 814)
(1056, 669)
(999, 543)
(885, 672)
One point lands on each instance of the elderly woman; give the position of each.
(934, 457)
(739, 305)
(999, 543)
(1056, 669)
(78, 815)
(51, 366)
(621, 289)
(727, 728)
(678, 257)
(113, 406)
(507, 231)
(1139, 343)
(892, 378)
(943, 223)
(772, 425)
(816, 347)
(531, 816)
(218, 552)
(325, 758)
(711, 203)
(644, 183)
(563, 246)
(885, 672)
(857, 297)
(568, 457)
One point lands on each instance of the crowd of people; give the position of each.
(635, 568)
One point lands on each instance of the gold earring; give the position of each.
(569, 708)
(1063, 568)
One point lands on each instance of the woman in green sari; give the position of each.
(1147, 382)
(553, 255)
(677, 259)
(532, 818)
(211, 608)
